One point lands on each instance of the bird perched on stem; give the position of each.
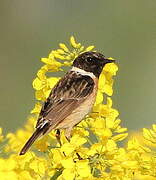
(72, 97)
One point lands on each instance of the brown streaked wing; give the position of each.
(66, 96)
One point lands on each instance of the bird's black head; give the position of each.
(91, 62)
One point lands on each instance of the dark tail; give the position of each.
(31, 140)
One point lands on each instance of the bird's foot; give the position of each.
(58, 137)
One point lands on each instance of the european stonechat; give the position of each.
(72, 97)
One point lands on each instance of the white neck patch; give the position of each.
(83, 72)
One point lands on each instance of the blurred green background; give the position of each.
(125, 30)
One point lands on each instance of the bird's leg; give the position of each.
(68, 135)
(79, 157)
(58, 137)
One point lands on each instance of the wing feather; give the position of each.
(65, 97)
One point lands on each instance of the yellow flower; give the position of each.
(74, 44)
(17, 140)
(56, 155)
(96, 148)
(94, 151)
(89, 48)
(38, 166)
(42, 144)
(37, 108)
(102, 81)
(64, 47)
(112, 68)
(83, 168)
(52, 63)
(1, 136)
(68, 174)
(67, 148)
(99, 98)
(111, 146)
(7, 164)
(77, 140)
(8, 175)
(25, 175)
(120, 137)
(68, 163)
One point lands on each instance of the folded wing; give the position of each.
(66, 96)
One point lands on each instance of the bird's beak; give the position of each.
(109, 61)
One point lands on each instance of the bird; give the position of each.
(72, 98)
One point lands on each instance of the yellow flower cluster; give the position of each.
(94, 151)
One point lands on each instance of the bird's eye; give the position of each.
(89, 59)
